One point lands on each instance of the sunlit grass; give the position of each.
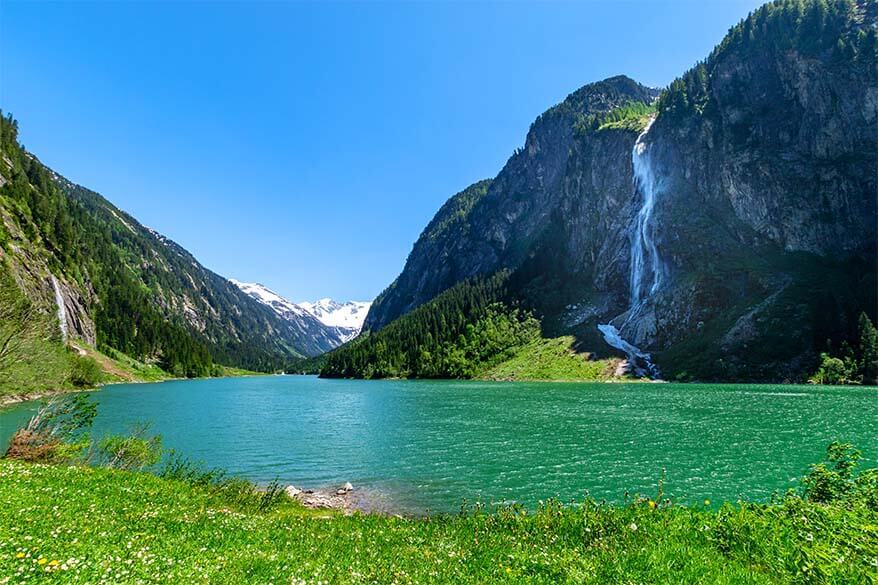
(85, 525)
(552, 359)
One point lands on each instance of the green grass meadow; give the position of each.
(76, 524)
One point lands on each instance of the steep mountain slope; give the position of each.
(124, 286)
(325, 323)
(728, 229)
(500, 223)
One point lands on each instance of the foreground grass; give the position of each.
(94, 525)
(552, 359)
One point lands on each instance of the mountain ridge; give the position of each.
(340, 321)
(764, 222)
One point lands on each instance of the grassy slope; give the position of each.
(552, 359)
(119, 367)
(53, 376)
(119, 527)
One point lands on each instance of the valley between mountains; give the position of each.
(719, 235)
(722, 228)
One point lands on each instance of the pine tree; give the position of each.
(868, 350)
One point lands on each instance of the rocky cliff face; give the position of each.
(566, 177)
(29, 265)
(765, 214)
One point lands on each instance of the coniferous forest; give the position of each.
(456, 335)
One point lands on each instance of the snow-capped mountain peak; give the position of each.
(266, 296)
(350, 314)
(342, 320)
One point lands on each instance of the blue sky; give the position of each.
(305, 146)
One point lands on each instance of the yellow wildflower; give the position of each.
(41, 561)
(20, 555)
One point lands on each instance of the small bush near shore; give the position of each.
(85, 372)
(57, 433)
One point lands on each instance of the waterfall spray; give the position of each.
(646, 267)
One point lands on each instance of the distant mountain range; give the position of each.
(346, 317)
(340, 321)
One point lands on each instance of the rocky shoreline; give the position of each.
(343, 499)
(12, 399)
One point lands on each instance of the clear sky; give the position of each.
(305, 146)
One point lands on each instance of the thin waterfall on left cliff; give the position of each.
(647, 271)
(62, 310)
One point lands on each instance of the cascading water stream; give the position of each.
(646, 268)
(62, 310)
(644, 255)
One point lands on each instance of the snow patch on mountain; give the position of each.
(343, 320)
(266, 296)
(350, 314)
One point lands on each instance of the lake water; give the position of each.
(428, 445)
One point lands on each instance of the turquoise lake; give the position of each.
(428, 445)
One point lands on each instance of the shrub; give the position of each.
(179, 468)
(85, 372)
(834, 478)
(134, 451)
(231, 490)
(57, 433)
(834, 371)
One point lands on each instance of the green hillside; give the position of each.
(473, 330)
(124, 287)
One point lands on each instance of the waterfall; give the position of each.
(62, 309)
(646, 268)
(645, 261)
